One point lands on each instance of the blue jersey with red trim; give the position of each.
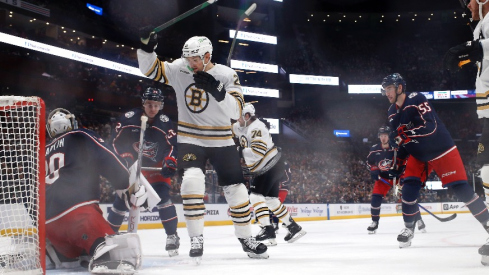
(74, 162)
(159, 141)
(379, 160)
(428, 138)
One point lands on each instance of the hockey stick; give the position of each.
(247, 13)
(132, 222)
(449, 218)
(184, 15)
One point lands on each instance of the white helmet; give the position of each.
(197, 46)
(248, 108)
(60, 121)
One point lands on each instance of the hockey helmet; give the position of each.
(60, 121)
(393, 79)
(197, 46)
(248, 109)
(154, 94)
(384, 130)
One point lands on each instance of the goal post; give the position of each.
(22, 188)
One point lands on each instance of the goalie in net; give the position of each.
(75, 225)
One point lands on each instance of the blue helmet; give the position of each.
(393, 79)
(384, 130)
(154, 94)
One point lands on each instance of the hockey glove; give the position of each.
(400, 137)
(169, 167)
(136, 199)
(148, 38)
(374, 175)
(456, 57)
(208, 83)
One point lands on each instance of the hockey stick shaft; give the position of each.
(449, 218)
(184, 15)
(133, 221)
(247, 13)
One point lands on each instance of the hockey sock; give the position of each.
(117, 213)
(239, 207)
(375, 207)
(418, 216)
(279, 210)
(192, 190)
(168, 216)
(410, 192)
(260, 208)
(475, 204)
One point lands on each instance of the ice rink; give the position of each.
(330, 247)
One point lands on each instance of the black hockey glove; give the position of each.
(374, 175)
(169, 167)
(208, 83)
(456, 57)
(148, 38)
(396, 172)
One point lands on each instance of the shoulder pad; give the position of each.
(164, 118)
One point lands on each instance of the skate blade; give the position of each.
(422, 230)
(197, 260)
(372, 232)
(485, 260)
(270, 242)
(172, 253)
(263, 255)
(404, 245)
(297, 236)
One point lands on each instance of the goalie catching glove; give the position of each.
(456, 57)
(148, 38)
(208, 83)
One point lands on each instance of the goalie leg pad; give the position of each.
(260, 208)
(117, 213)
(475, 204)
(192, 190)
(410, 193)
(239, 207)
(279, 210)
(118, 254)
(375, 207)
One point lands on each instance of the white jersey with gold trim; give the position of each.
(481, 32)
(202, 120)
(257, 143)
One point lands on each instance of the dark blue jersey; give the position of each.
(428, 136)
(380, 160)
(159, 139)
(74, 162)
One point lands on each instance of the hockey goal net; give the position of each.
(22, 206)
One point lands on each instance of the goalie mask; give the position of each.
(197, 46)
(393, 79)
(60, 121)
(153, 94)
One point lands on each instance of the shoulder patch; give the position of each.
(411, 95)
(129, 114)
(164, 118)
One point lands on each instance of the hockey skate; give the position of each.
(405, 237)
(254, 249)
(196, 248)
(372, 229)
(172, 244)
(421, 226)
(484, 251)
(295, 232)
(267, 233)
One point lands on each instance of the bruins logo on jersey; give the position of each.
(196, 100)
(189, 157)
(243, 142)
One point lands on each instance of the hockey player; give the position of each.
(263, 160)
(379, 162)
(208, 96)
(74, 222)
(159, 150)
(420, 134)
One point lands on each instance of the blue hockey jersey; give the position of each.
(380, 160)
(428, 138)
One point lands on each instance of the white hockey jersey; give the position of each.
(481, 32)
(257, 143)
(201, 119)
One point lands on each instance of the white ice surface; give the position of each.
(330, 247)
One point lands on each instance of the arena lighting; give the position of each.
(56, 51)
(313, 79)
(342, 133)
(253, 66)
(255, 37)
(95, 9)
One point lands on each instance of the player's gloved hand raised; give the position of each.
(456, 57)
(208, 83)
(148, 38)
(169, 167)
